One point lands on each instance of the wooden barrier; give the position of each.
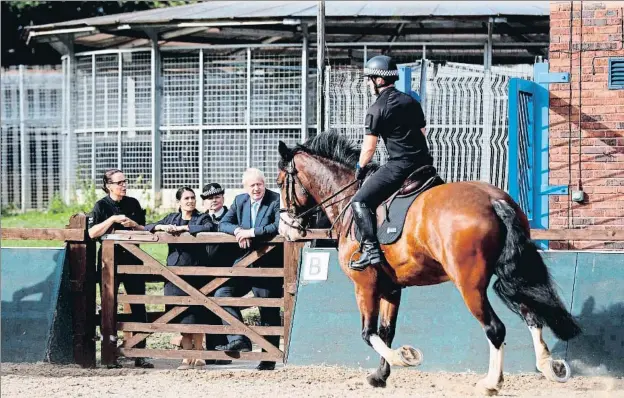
(135, 332)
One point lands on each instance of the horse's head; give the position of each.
(317, 175)
(295, 198)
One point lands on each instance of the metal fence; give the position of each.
(173, 117)
(217, 112)
(465, 107)
(31, 142)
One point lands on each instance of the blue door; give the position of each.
(528, 144)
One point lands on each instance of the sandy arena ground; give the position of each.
(44, 380)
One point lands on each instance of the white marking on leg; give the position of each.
(495, 370)
(542, 354)
(383, 350)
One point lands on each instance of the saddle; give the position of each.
(391, 214)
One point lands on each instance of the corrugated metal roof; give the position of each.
(250, 10)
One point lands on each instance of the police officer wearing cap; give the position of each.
(399, 120)
(219, 254)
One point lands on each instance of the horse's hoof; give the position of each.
(410, 356)
(483, 389)
(375, 380)
(557, 370)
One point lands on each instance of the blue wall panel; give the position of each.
(326, 326)
(36, 311)
(599, 306)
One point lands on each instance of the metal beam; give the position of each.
(248, 112)
(181, 32)
(201, 119)
(24, 148)
(304, 83)
(320, 64)
(156, 97)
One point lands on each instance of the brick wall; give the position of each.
(594, 156)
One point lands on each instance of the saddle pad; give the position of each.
(391, 228)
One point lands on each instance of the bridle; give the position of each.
(292, 179)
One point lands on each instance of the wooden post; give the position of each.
(292, 262)
(108, 328)
(82, 280)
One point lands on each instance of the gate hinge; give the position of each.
(553, 77)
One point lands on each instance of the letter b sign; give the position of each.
(315, 266)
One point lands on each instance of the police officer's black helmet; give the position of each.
(381, 66)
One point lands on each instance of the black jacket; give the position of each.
(191, 254)
(222, 254)
(107, 207)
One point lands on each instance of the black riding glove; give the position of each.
(360, 172)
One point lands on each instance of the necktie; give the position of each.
(254, 213)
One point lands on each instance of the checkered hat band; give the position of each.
(213, 191)
(380, 72)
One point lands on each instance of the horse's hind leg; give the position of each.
(389, 309)
(479, 305)
(553, 370)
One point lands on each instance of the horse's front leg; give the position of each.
(389, 310)
(368, 300)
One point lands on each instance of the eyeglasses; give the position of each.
(119, 183)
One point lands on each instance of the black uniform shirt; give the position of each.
(398, 119)
(107, 207)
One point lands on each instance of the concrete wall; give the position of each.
(36, 305)
(326, 326)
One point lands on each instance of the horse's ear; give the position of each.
(284, 151)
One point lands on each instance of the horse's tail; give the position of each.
(523, 278)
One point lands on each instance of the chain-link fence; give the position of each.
(31, 143)
(174, 117)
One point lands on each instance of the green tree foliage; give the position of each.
(18, 14)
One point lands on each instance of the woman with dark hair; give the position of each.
(116, 211)
(187, 219)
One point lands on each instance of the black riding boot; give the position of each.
(366, 222)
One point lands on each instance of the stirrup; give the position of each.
(366, 251)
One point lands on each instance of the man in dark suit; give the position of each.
(254, 218)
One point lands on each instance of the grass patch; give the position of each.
(60, 219)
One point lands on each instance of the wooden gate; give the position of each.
(138, 331)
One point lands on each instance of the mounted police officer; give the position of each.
(399, 120)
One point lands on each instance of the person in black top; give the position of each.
(116, 211)
(187, 219)
(219, 254)
(399, 120)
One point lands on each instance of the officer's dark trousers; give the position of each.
(261, 288)
(384, 182)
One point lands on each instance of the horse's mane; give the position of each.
(333, 146)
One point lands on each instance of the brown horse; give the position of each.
(464, 232)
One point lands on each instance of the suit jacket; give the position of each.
(266, 226)
(186, 254)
